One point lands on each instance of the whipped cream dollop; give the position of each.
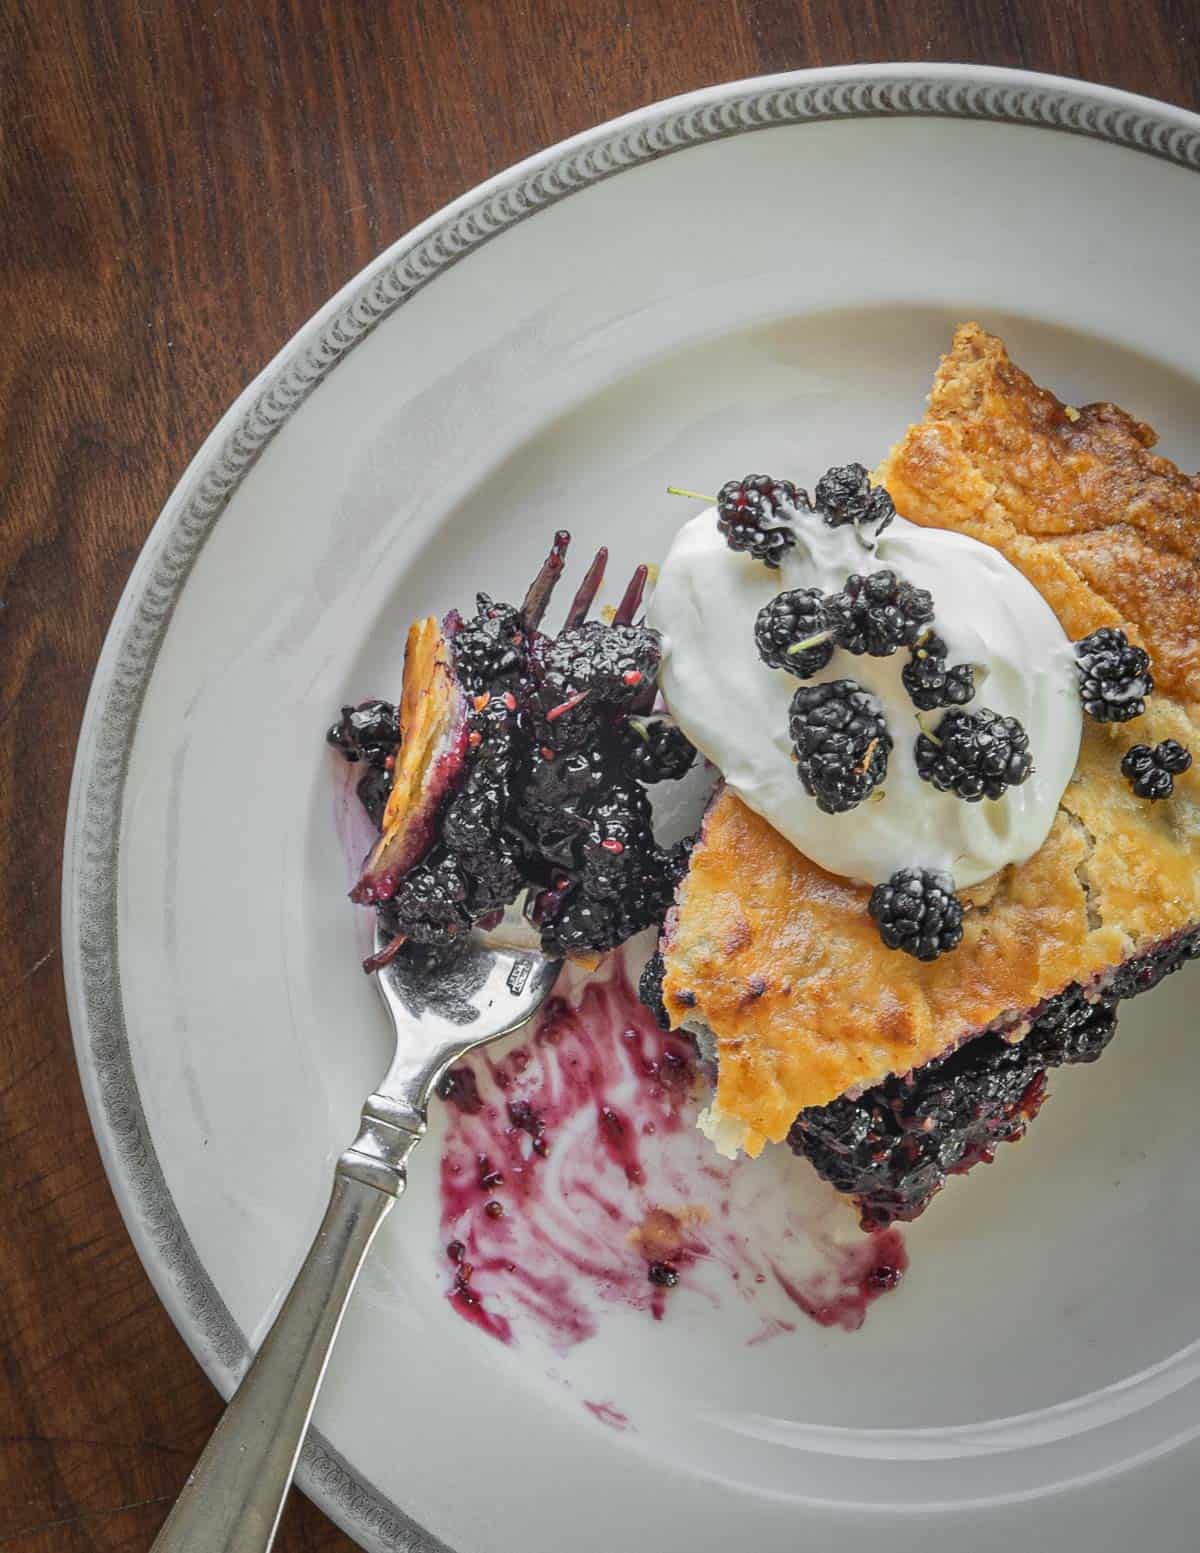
(735, 709)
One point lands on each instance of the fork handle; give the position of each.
(234, 1498)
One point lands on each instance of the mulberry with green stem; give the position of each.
(793, 632)
(756, 514)
(928, 680)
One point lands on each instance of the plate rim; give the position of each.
(91, 848)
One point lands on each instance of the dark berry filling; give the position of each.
(489, 651)
(609, 663)
(654, 749)
(650, 989)
(576, 920)
(894, 1146)
(550, 797)
(369, 731)
(369, 734)
(430, 903)
(374, 788)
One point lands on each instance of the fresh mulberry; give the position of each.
(974, 755)
(878, 613)
(793, 632)
(1152, 772)
(930, 684)
(1114, 677)
(841, 743)
(755, 515)
(917, 911)
(845, 495)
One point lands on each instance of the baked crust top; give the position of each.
(781, 960)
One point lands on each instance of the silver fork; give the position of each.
(443, 1005)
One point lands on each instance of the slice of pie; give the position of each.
(890, 1074)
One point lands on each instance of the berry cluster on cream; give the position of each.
(905, 708)
(989, 656)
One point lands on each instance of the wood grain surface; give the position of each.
(182, 183)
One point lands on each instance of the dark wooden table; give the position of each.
(182, 182)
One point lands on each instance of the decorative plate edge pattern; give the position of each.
(144, 614)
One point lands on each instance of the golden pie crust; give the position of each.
(780, 959)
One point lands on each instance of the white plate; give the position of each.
(553, 349)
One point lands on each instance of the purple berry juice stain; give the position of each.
(574, 1180)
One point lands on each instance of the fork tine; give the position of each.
(588, 589)
(543, 585)
(630, 604)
